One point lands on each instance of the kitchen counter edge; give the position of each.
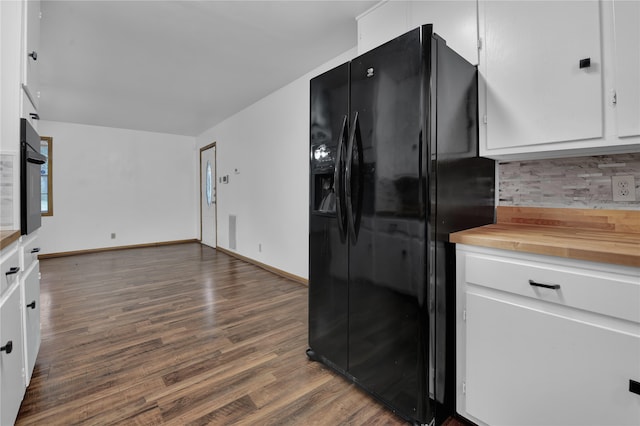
(596, 246)
(8, 237)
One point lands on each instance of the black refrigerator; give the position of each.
(394, 169)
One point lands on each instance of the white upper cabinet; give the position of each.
(454, 21)
(627, 63)
(31, 46)
(546, 86)
(536, 92)
(383, 22)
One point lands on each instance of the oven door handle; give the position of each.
(35, 160)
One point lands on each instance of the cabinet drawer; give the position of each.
(30, 250)
(603, 292)
(10, 267)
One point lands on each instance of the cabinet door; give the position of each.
(31, 60)
(535, 91)
(382, 23)
(627, 63)
(11, 372)
(455, 21)
(31, 311)
(526, 366)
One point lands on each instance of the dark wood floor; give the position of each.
(180, 334)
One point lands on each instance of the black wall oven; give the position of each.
(30, 162)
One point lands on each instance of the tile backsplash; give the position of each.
(6, 191)
(581, 182)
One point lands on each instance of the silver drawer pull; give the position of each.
(551, 286)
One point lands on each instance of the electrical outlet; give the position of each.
(113, 235)
(624, 188)
(259, 247)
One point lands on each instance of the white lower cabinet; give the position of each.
(19, 322)
(12, 384)
(562, 350)
(31, 318)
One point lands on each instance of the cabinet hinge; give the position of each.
(464, 388)
(464, 315)
(39, 15)
(614, 97)
(479, 43)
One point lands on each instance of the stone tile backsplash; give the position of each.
(582, 182)
(6, 191)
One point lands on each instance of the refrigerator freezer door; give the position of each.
(328, 253)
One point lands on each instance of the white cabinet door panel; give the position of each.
(31, 319)
(382, 23)
(11, 371)
(627, 39)
(528, 367)
(536, 92)
(30, 79)
(455, 21)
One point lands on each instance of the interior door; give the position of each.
(208, 195)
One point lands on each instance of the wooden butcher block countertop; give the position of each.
(609, 236)
(7, 237)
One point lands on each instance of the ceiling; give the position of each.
(180, 67)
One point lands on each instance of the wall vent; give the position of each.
(232, 232)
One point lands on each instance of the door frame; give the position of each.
(215, 186)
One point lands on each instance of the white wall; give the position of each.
(268, 143)
(140, 185)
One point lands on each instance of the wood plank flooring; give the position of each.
(180, 334)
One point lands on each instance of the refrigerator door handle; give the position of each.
(351, 225)
(338, 180)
